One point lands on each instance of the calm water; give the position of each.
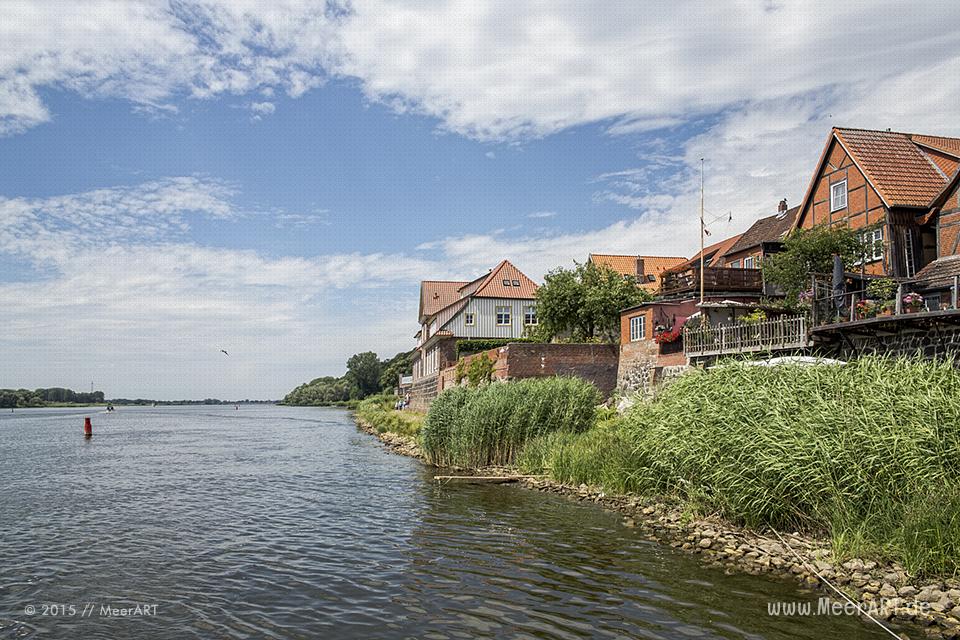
(273, 522)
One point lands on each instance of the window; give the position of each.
(872, 245)
(503, 316)
(515, 283)
(838, 196)
(506, 283)
(748, 263)
(638, 328)
(735, 264)
(530, 315)
(469, 319)
(651, 277)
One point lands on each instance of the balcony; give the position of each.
(746, 337)
(716, 279)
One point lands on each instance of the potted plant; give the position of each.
(913, 302)
(867, 309)
(881, 289)
(887, 308)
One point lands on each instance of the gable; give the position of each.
(506, 281)
(864, 205)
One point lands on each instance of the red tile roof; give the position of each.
(713, 254)
(627, 265)
(499, 283)
(898, 168)
(437, 294)
(947, 145)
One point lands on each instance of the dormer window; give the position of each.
(838, 196)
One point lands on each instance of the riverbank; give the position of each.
(879, 583)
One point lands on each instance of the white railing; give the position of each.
(771, 335)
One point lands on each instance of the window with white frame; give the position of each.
(749, 262)
(530, 315)
(735, 264)
(872, 245)
(469, 318)
(838, 195)
(638, 328)
(503, 316)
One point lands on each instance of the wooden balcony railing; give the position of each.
(771, 335)
(715, 279)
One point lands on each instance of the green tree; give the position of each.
(808, 251)
(584, 303)
(363, 370)
(395, 367)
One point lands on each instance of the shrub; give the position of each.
(480, 370)
(378, 412)
(469, 347)
(490, 424)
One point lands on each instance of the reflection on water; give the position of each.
(278, 522)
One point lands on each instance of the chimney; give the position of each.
(782, 207)
(639, 268)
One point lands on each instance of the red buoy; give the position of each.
(87, 428)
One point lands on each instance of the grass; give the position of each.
(378, 412)
(867, 453)
(491, 424)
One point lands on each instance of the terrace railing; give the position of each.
(714, 279)
(829, 307)
(746, 337)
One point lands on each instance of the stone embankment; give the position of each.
(884, 590)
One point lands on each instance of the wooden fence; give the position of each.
(771, 335)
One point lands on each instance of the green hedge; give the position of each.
(468, 347)
(490, 425)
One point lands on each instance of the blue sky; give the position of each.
(180, 178)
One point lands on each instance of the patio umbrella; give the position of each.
(838, 288)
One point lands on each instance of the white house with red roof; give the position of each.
(499, 304)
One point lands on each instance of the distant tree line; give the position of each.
(366, 375)
(10, 398)
(14, 398)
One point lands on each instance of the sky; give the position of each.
(274, 179)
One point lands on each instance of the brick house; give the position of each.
(885, 183)
(646, 269)
(498, 304)
(763, 238)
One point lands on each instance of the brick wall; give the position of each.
(596, 363)
(423, 391)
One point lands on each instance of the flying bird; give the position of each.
(224, 351)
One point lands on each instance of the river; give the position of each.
(287, 522)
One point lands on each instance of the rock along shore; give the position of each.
(885, 590)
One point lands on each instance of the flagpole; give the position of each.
(702, 261)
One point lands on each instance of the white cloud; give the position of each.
(498, 69)
(123, 293)
(261, 109)
(151, 52)
(542, 214)
(493, 70)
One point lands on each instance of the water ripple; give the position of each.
(277, 522)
